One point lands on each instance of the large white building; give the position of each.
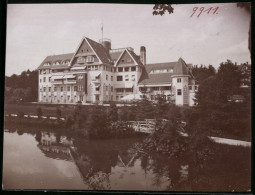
(98, 73)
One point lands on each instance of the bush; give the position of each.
(21, 114)
(58, 113)
(39, 112)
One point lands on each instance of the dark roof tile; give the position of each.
(54, 58)
(101, 52)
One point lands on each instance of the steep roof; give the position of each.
(158, 78)
(136, 58)
(55, 58)
(101, 52)
(181, 68)
(115, 55)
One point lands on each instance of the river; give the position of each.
(43, 159)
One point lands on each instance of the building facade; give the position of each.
(98, 73)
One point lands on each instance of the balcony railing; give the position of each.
(96, 92)
(57, 82)
(70, 82)
(96, 80)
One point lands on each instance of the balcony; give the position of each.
(96, 92)
(96, 80)
(57, 82)
(70, 82)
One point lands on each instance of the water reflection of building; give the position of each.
(56, 147)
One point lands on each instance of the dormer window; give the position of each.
(90, 59)
(46, 64)
(81, 60)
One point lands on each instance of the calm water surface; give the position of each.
(48, 160)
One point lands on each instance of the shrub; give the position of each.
(58, 113)
(39, 112)
(21, 114)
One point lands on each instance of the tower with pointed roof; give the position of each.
(182, 79)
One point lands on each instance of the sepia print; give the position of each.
(128, 97)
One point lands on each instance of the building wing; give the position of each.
(61, 59)
(158, 73)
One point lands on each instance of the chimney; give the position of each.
(143, 55)
(106, 43)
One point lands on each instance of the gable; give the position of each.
(84, 48)
(125, 59)
(82, 54)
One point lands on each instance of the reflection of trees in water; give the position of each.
(165, 170)
(95, 159)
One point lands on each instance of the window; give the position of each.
(75, 88)
(143, 89)
(107, 77)
(129, 90)
(68, 88)
(44, 89)
(179, 92)
(126, 69)
(167, 88)
(49, 79)
(196, 87)
(111, 78)
(49, 89)
(111, 88)
(122, 60)
(190, 87)
(179, 80)
(106, 88)
(68, 97)
(55, 88)
(133, 68)
(119, 78)
(126, 78)
(61, 88)
(40, 80)
(80, 77)
(90, 59)
(44, 79)
(119, 90)
(81, 60)
(120, 69)
(80, 88)
(97, 88)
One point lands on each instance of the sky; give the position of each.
(35, 31)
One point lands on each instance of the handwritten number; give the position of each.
(215, 10)
(208, 10)
(194, 11)
(201, 10)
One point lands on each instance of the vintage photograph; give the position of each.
(143, 97)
